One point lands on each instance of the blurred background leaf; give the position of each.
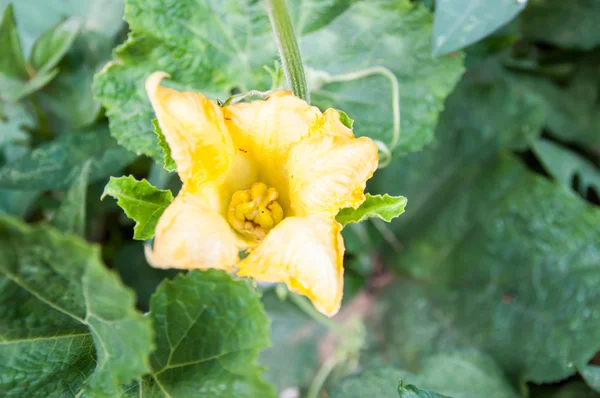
(459, 23)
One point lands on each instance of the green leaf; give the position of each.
(293, 358)
(384, 207)
(12, 65)
(57, 164)
(35, 17)
(68, 99)
(168, 162)
(15, 120)
(459, 23)
(496, 253)
(564, 165)
(486, 113)
(141, 201)
(68, 324)
(53, 44)
(411, 391)
(209, 331)
(460, 374)
(520, 249)
(572, 112)
(345, 119)
(205, 58)
(591, 375)
(565, 23)
(397, 39)
(70, 216)
(136, 273)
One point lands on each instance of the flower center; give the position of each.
(254, 212)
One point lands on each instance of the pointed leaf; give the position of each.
(53, 44)
(141, 201)
(384, 207)
(12, 64)
(68, 324)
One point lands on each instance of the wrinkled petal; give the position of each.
(329, 172)
(267, 129)
(192, 233)
(195, 130)
(306, 254)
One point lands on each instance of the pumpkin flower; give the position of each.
(266, 177)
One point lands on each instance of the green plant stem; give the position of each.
(308, 308)
(287, 45)
(319, 380)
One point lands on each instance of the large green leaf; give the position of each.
(461, 374)
(68, 324)
(209, 331)
(484, 114)
(565, 23)
(501, 258)
(518, 269)
(459, 23)
(203, 55)
(389, 34)
(141, 201)
(56, 164)
(564, 165)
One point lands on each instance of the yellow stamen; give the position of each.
(254, 212)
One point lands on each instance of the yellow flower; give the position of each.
(265, 176)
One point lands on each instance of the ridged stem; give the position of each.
(287, 45)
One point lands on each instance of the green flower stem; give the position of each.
(288, 48)
(308, 308)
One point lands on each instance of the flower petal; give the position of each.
(192, 234)
(329, 172)
(194, 129)
(269, 128)
(306, 254)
